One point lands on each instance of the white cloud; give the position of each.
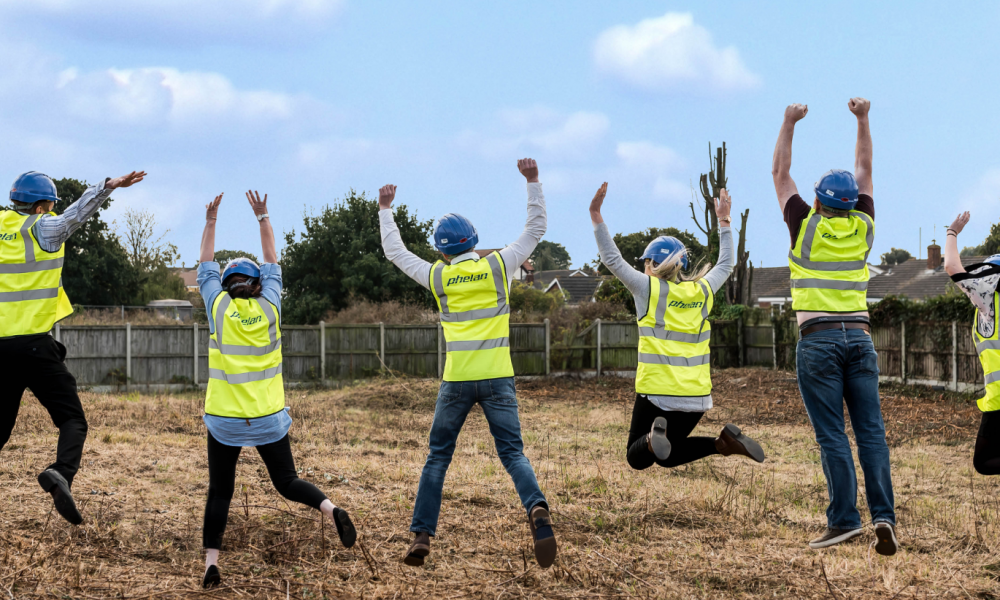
(540, 131)
(671, 53)
(647, 155)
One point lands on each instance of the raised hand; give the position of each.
(259, 206)
(723, 204)
(795, 112)
(859, 106)
(212, 209)
(125, 180)
(529, 168)
(959, 223)
(386, 194)
(598, 201)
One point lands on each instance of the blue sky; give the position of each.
(306, 99)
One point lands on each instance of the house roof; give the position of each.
(190, 276)
(526, 265)
(911, 278)
(580, 289)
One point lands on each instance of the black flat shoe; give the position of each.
(212, 577)
(658, 439)
(345, 529)
(54, 483)
(733, 441)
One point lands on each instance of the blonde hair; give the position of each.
(670, 269)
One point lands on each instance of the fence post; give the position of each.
(954, 356)
(598, 347)
(322, 352)
(902, 351)
(381, 344)
(58, 334)
(128, 355)
(739, 342)
(548, 345)
(440, 334)
(194, 343)
(774, 343)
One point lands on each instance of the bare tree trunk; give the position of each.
(739, 284)
(710, 183)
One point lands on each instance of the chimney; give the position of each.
(933, 256)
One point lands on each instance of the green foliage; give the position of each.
(527, 299)
(632, 246)
(97, 270)
(339, 255)
(893, 310)
(614, 291)
(896, 256)
(549, 256)
(159, 283)
(989, 247)
(224, 256)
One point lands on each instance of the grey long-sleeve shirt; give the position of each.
(638, 283)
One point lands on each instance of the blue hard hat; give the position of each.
(33, 187)
(995, 259)
(243, 266)
(454, 234)
(837, 189)
(666, 248)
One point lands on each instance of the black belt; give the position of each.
(838, 325)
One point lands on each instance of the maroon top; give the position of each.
(796, 210)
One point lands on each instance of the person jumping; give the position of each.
(32, 300)
(835, 359)
(979, 282)
(472, 293)
(673, 381)
(245, 403)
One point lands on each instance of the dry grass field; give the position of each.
(719, 528)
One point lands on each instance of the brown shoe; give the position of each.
(543, 536)
(419, 549)
(732, 441)
(887, 544)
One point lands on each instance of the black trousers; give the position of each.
(280, 465)
(35, 362)
(684, 449)
(986, 460)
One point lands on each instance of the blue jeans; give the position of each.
(837, 366)
(498, 399)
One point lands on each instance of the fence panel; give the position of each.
(95, 355)
(758, 344)
(619, 346)
(412, 349)
(162, 354)
(725, 344)
(527, 348)
(888, 341)
(969, 368)
(352, 351)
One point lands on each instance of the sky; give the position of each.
(306, 100)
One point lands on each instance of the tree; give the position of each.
(549, 256)
(895, 256)
(96, 270)
(339, 255)
(989, 247)
(632, 246)
(224, 256)
(151, 255)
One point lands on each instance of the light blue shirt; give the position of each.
(228, 430)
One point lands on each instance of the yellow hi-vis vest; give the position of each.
(674, 334)
(989, 356)
(32, 298)
(244, 359)
(475, 316)
(829, 263)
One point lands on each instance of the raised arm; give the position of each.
(268, 252)
(416, 268)
(635, 281)
(208, 236)
(952, 257)
(520, 249)
(863, 149)
(724, 267)
(781, 165)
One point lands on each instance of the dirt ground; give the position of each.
(718, 528)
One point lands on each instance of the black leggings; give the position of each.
(280, 465)
(684, 449)
(986, 460)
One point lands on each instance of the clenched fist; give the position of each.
(386, 194)
(859, 106)
(529, 168)
(795, 112)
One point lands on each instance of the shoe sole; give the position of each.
(887, 544)
(752, 447)
(840, 539)
(545, 549)
(415, 558)
(63, 499)
(349, 535)
(212, 580)
(658, 439)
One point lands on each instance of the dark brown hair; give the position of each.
(244, 291)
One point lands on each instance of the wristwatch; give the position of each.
(262, 217)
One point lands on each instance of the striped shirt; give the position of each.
(51, 232)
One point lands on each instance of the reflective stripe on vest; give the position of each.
(820, 279)
(988, 350)
(674, 352)
(31, 295)
(244, 359)
(475, 317)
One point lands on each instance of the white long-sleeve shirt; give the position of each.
(513, 255)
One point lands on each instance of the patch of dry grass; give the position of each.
(722, 527)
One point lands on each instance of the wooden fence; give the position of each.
(936, 354)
